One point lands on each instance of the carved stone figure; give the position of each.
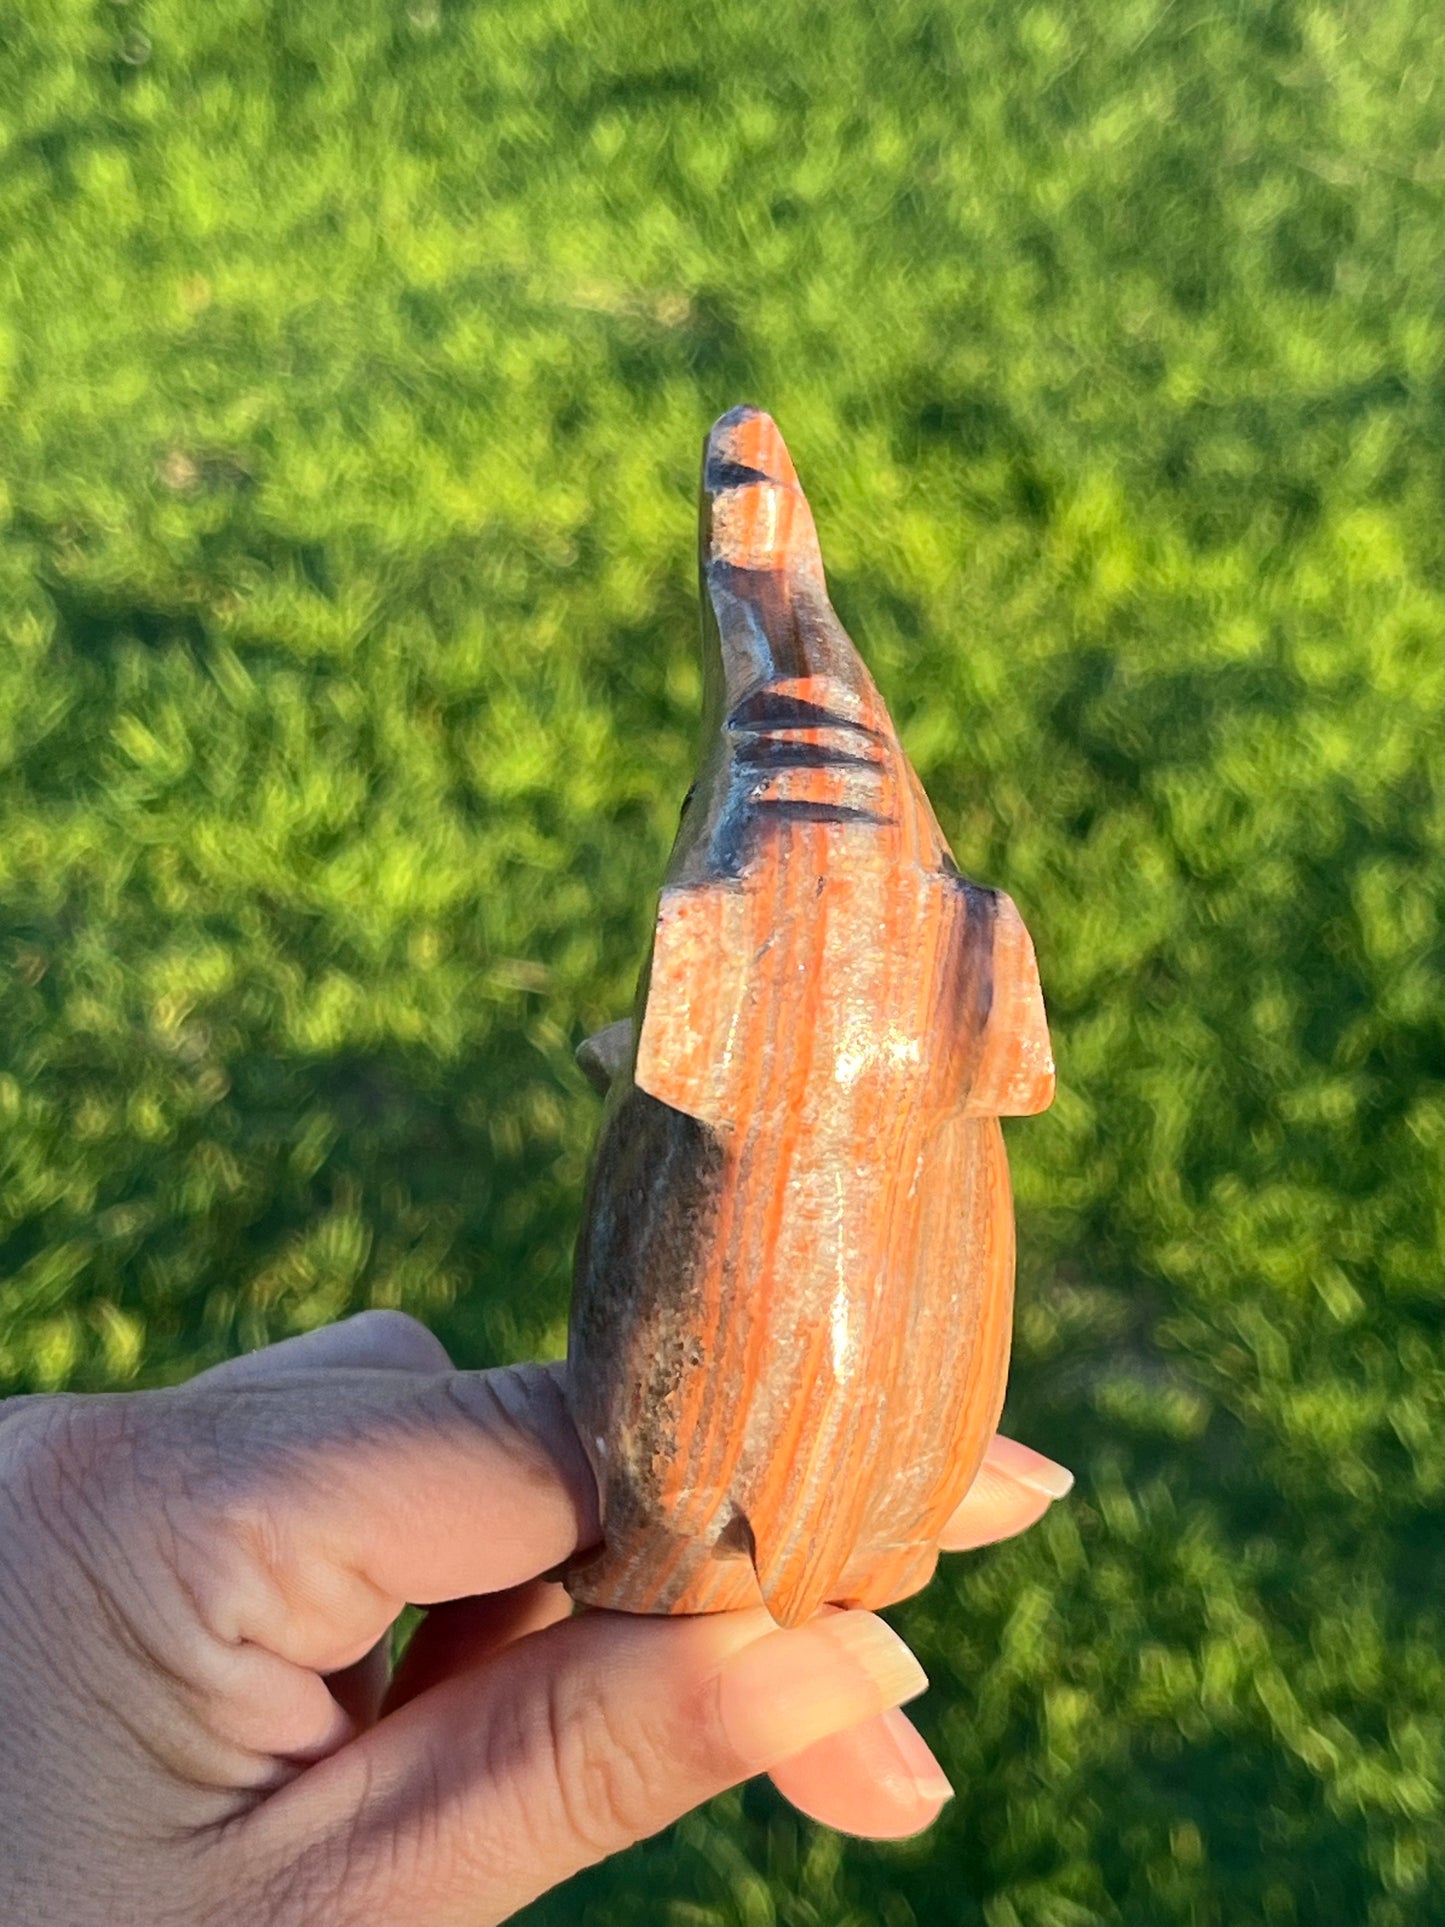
(794, 1283)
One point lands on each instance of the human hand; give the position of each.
(197, 1722)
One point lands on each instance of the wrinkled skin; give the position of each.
(197, 1722)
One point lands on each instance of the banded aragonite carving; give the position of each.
(794, 1282)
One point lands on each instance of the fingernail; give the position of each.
(791, 1689)
(924, 1774)
(1031, 1468)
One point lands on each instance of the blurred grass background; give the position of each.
(354, 360)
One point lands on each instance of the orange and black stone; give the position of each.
(794, 1283)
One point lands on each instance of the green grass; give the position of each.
(354, 360)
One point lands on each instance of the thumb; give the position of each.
(570, 1745)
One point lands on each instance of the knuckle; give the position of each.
(28, 1428)
(512, 1403)
(64, 1452)
(705, 1756)
(403, 1338)
(607, 1769)
(63, 1481)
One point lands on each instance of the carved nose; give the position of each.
(744, 446)
(755, 514)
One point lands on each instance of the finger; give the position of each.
(878, 1780)
(1014, 1488)
(461, 1633)
(565, 1747)
(311, 1508)
(372, 1340)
